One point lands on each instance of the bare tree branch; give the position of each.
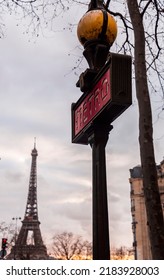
(145, 8)
(68, 246)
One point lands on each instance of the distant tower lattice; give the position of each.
(29, 244)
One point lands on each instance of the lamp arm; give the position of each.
(96, 4)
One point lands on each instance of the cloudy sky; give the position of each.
(37, 87)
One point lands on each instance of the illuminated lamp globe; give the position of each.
(90, 27)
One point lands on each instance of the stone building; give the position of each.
(141, 242)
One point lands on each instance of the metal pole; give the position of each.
(135, 241)
(98, 138)
(15, 237)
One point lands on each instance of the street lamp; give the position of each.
(106, 87)
(16, 228)
(96, 31)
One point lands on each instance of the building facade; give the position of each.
(141, 242)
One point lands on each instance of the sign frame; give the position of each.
(118, 92)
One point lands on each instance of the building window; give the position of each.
(132, 205)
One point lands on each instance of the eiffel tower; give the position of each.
(34, 248)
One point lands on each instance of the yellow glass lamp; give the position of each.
(96, 31)
(97, 24)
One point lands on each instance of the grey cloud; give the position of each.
(14, 177)
(37, 89)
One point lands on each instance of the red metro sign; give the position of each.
(92, 104)
(109, 97)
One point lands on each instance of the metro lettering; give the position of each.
(93, 103)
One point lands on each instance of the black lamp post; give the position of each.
(97, 31)
(16, 231)
(98, 139)
(106, 87)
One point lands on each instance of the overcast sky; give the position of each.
(37, 87)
